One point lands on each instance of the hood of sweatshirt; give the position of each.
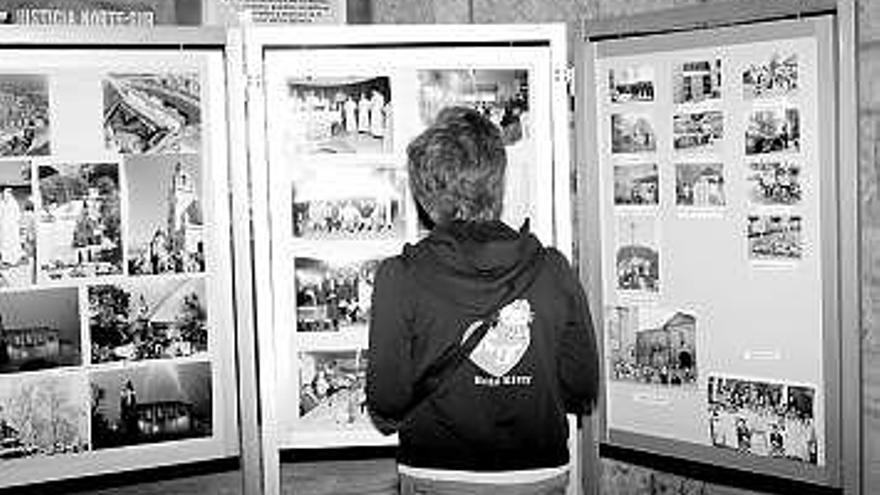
(475, 265)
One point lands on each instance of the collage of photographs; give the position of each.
(649, 342)
(104, 330)
(349, 188)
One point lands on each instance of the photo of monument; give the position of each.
(153, 113)
(78, 232)
(166, 225)
(39, 329)
(148, 319)
(148, 404)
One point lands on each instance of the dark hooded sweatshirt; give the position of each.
(504, 408)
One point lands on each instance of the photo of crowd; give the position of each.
(350, 114)
(637, 184)
(773, 130)
(333, 295)
(637, 254)
(632, 133)
(353, 203)
(773, 78)
(699, 184)
(699, 131)
(763, 418)
(631, 84)
(775, 182)
(651, 345)
(775, 237)
(333, 390)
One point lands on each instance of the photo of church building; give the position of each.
(166, 219)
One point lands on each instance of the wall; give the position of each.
(619, 478)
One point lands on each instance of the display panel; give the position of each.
(716, 196)
(338, 122)
(115, 288)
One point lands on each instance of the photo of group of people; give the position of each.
(333, 390)
(775, 237)
(637, 254)
(763, 418)
(651, 345)
(698, 131)
(776, 182)
(775, 77)
(631, 84)
(333, 295)
(346, 114)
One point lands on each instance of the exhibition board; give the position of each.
(712, 200)
(117, 332)
(332, 122)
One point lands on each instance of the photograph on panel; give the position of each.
(775, 182)
(153, 112)
(165, 214)
(17, 225)
(632, 133)
(695, 81)
(344, 114)
(159, 402)
(43, 414)
(773, 77)
(333, 295)
(349, 203)
(652, 345)
(636, 184)
(631, 84)
(504, 97)
(155, 318)
(39, 329)
(699, 185)
(78, 228)
(775, 237)
(767, 419)
(773, 129)
(332, 390)
(698, 131)
(24, 115)
(637, 254)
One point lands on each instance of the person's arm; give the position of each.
(389, 367)
(578, 354)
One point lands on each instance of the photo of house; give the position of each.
(39, 329)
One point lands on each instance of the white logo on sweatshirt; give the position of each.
(506, 342)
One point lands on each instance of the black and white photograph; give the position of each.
(39, 329)
(632, 133)
(637, 254)
(775, 77)
(502, 95)
(631, 84)
(156, 318)
(775, 237)
(652, 345)
(767, 419)
(349, 203)
(636, 184)
(776, 182)
(166, 225)
(333, 295)
(773, 129)
(698, 131)
(164, 401)
(24, 115)
(17, 225)
(695, 81)
(699, 185)
(43, 415)
(333, 390)
(345, 114)
(156, 112)
(78, 228)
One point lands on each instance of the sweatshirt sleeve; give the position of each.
(578, 354)
(389, 367)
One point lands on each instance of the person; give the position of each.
(497, 423)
